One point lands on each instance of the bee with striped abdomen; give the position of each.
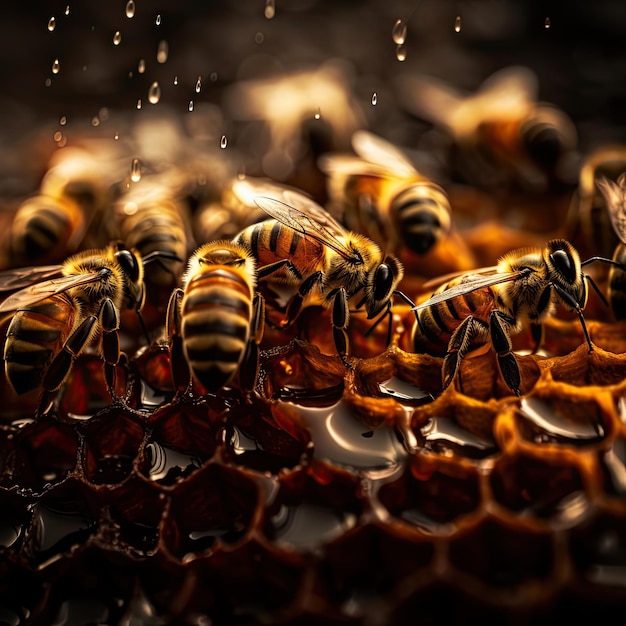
(491, 304)
(57, 311)
(305, 250)
(215, 321)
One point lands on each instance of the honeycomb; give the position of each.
(366, 496)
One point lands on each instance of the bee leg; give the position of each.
(266, 270)
(536, 331)
(499, 324)
(459, 344)
(179, 367)
(63, 361)
(340, 318)
(295, 304)
(110, 322)
(249, 367)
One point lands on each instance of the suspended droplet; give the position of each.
(401, 52)
(547, 23)
(223, 142)
(135, 170)
(117, 38)
(130, 9)
(154, 93)
(157, 20)
(63, 120)
(56, 66)
(270, 9)
(374, 99)
(457, 24)
(162, 51)
(199, 84)
(175, 80)
(398, 32)
(139, 104)
(190, 106)
(141, 66)
(52, 24)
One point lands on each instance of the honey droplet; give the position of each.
(56, 66)
(398, 32)
(135, 170)
(130, 9)
(401, 53)
(52, 24)
(117, 38)
(270, 9)
(154, 93)
(457, 24)
(162, 51)
(547, 23)
(374, 99)
(223, 142)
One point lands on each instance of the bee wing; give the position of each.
(433, 283)
(318, 225)
(44, 289)
(615, 197)
(461, 289)
(18, 278)
(350, 165)
(381, 152)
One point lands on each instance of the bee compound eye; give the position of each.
(128, 262)
(383, 281)
(564, 264)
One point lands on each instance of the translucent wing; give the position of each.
(615, 197)
(433, 283)
(44, 289)
(309, 226)
(350, 165)
(381, 152)
(18, 278)
(474, 283)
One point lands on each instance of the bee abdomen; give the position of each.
(33, 338)
(216, 314)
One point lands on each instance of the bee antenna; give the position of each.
(602, 259)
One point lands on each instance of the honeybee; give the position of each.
(59, 310)
(305, 250)
(491, 304)
(381, 194)
(614, 193)
(215, 322)
(150, 217)
(53, 222)
(500, 135)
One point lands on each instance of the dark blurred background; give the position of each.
(580, 60)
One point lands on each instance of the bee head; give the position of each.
(131, 266)
(383, 281)
(565, 270)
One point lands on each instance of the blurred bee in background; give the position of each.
(500, 136)
(52, 224)
(491, 304)
(150, 217)
(380, 193)
(57, 311)
(614, 193)
(215, 321)
(302, 248)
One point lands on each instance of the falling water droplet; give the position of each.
(175, 80)
(135, 170)
(67, 10)
(199, 84)
(374, 99)
(157, 21)
(139, 104)
(117, 38)
(398, 32)
(162, 51)
(130, 9)
(223, 142)
(270, 9)
(457, 24)
(52, 24)
(547, 23)
(63, 120)
(141, 66)
(190, 106)
(154, 93)
(56, 66)
(401, 52)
